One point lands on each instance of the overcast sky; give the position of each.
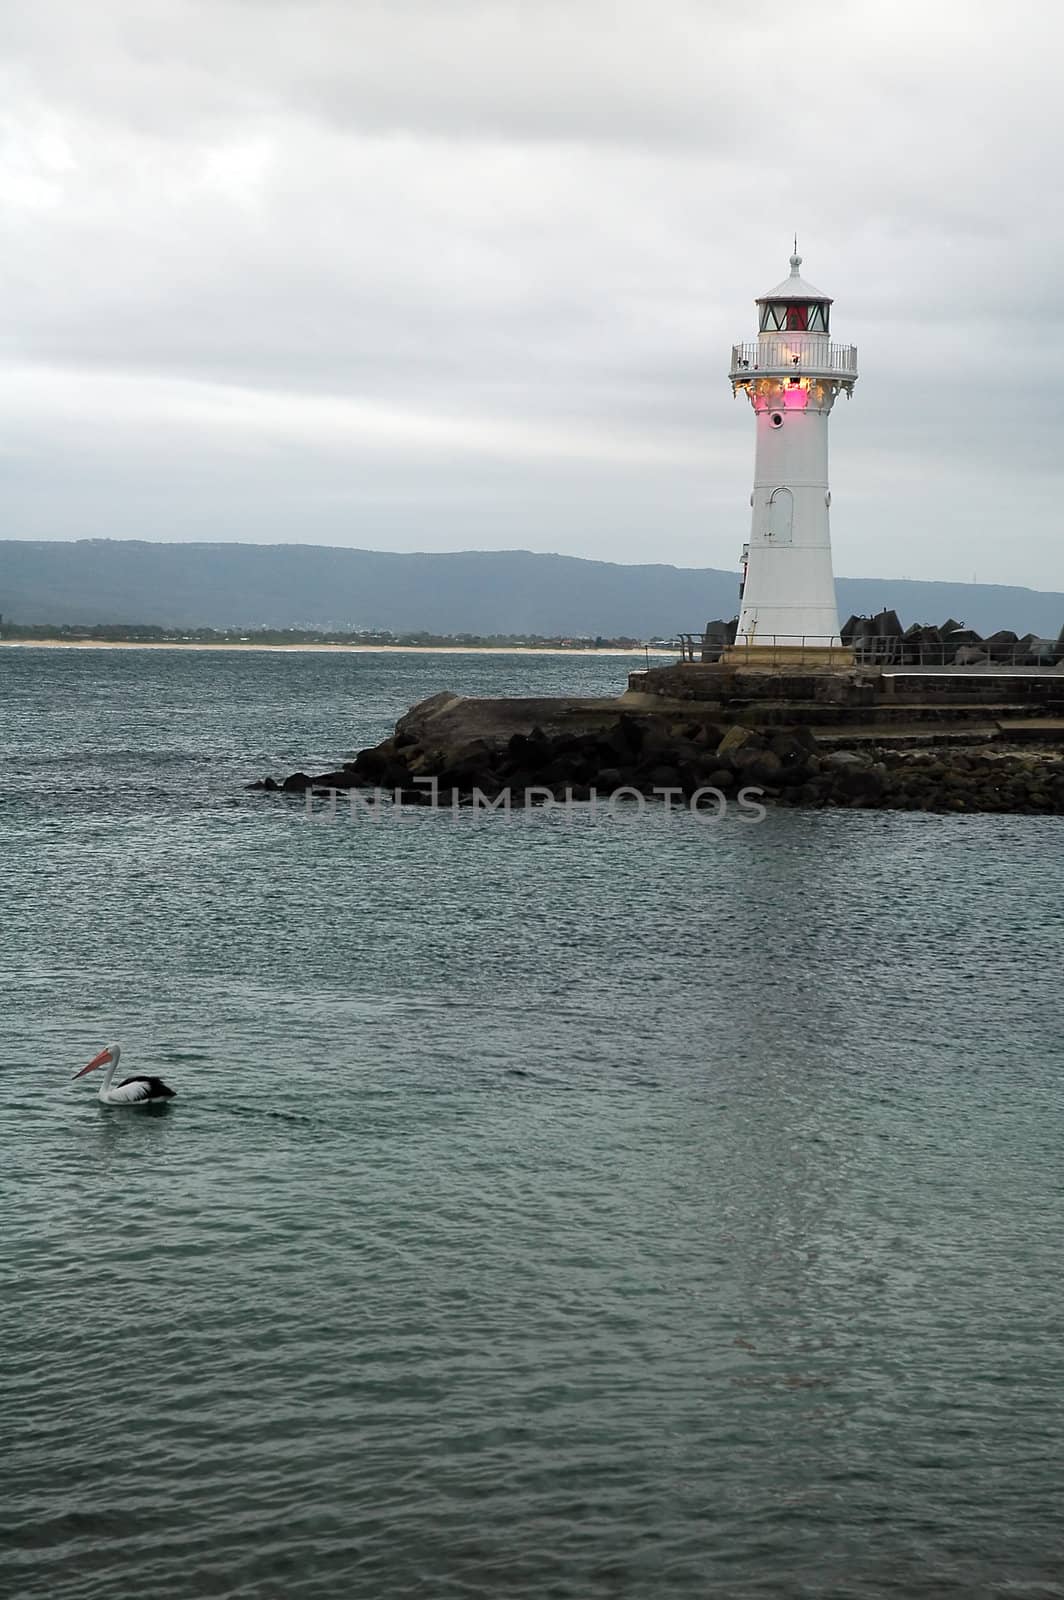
(456, 274)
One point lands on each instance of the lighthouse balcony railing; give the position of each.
(773, 357)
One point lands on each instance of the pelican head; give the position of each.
(111, 1054)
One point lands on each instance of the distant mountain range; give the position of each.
(478, 592)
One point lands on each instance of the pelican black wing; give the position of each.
(149, 1088)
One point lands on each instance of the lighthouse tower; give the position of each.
(791, 375)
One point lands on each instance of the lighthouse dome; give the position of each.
(794, 288)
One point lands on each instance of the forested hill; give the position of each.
(477, 592)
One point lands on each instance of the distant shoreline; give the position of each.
(334, 649)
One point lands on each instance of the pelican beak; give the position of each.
(97, 1061)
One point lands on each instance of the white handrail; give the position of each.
(782, 355)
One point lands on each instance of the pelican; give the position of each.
(139, 1091)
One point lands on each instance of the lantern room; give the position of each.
(794, 306)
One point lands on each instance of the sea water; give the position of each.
(550, 1206)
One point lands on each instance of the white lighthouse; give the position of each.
(791, 374)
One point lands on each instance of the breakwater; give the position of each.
(917, 750)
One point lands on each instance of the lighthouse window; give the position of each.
(791, 317)
(782, 316)
(773, 318)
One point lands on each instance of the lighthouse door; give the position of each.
(781, 516)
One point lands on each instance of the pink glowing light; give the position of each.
(784, 399)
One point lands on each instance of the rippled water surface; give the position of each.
(635, 1207)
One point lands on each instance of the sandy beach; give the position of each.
(349, 649)
(352, 650)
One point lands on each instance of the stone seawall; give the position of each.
(783, 690)
(453, 750)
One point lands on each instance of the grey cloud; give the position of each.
(536, 229)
